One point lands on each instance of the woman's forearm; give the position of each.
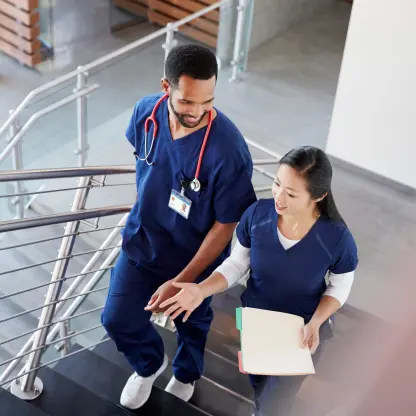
(326, 308)
(213, 284)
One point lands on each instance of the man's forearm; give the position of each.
(212, 246)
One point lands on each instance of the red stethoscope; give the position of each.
(195, 185)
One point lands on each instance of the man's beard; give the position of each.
(181, 117)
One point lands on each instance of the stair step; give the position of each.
(209, 396)
(224, 337)
(229, 300)
(12, 406)
(218, 369)
(64, 397)
(105, 379)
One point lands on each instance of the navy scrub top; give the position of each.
(156, 237)
(293, 280)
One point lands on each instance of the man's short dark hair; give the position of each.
(195, 61)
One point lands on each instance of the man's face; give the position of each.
(191, 100)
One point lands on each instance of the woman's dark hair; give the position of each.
(198, 62)
(313, 164)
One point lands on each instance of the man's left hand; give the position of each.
(164, 292)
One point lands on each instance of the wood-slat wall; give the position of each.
(203, 29)
(19, 30)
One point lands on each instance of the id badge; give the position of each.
(180, 203)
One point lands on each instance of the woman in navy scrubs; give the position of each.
(301, 257)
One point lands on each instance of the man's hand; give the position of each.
(164, 292)
(212, 246)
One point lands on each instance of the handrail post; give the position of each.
(82, 128)
(17, 165)
(237, 55)
(170, 40)
(30, 386)
(65, 345)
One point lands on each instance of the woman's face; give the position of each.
(290, 192)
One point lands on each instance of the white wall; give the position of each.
(273, 17)
(374, 118)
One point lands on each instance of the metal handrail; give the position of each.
(38, 308)
(52, 219)
(59, 237)
(57, 173)
(98, 308)
(51, 191)
(43, 263)
(261, 162)
(64, 279)
(65, 101)
(105, 60)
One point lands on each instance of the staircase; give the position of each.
(89, 381)
(88, 366)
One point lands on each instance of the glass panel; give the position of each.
(46, 26)
(248, 22)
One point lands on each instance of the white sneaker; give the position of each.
(181, 390)
(137, 390)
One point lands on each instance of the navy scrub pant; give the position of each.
(129, 326)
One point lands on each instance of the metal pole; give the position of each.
(17, 165)
(170, 41)
(31, 387)
(235, 63)
(83, 147)
(65, 345)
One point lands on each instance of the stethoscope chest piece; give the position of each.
(195, 185)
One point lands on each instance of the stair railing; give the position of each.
(26, 385)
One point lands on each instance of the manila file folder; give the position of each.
(271, 343)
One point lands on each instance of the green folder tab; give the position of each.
(238, 318)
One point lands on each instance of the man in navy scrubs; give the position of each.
(193, 184)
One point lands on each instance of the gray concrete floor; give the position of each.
(285, 100)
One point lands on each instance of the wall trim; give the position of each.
(365, 173)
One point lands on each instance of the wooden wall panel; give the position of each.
(187, 30)
(28, 18)
(195, 6)
(178, 13)
(19, 42)
(14, 26)
(19, 30)
(27, 59)
(204, 29)
(27, 5)
(208, 2)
